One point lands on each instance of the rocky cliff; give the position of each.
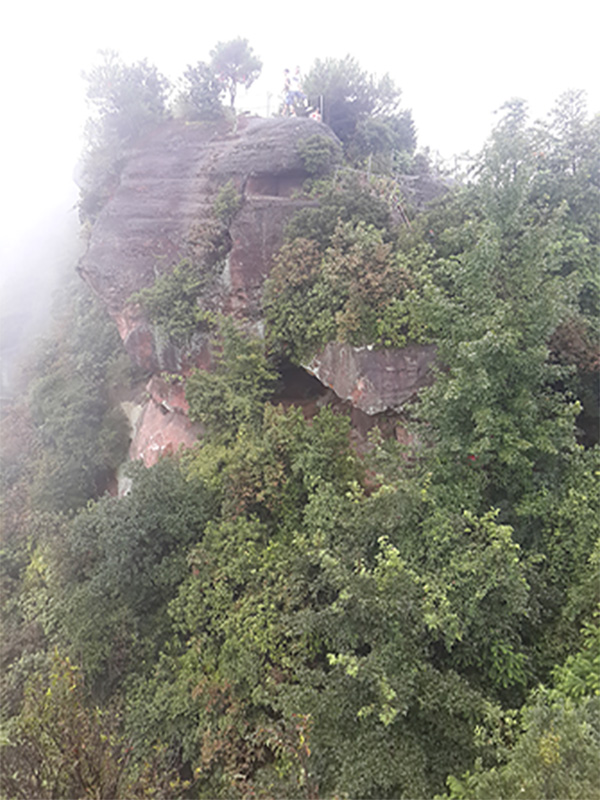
(167, 190)
(166, 194)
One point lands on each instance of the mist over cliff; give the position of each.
(31, 268)
(300, 499)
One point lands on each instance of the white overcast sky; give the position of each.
(455, 61)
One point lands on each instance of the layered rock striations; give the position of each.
(167, 190)
(162, 205)
(374, 381)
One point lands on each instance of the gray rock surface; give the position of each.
(374, 380)
(167, 189)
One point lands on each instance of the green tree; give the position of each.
(554, 751)
(202, 92)
(555, 755)
(61, 747)
(310, 614)
(119, 565)
(124, 99)
(235, 62)
(349, 94)
(382, 137)
(503, 278)
(234, 393)
(84, 438)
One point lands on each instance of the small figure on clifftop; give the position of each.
(288, 101)
(298, 95)
(294, 99)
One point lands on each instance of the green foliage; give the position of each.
(579, 676)
(234, 62)
(318, 153)
(311, 616)
(63, 445)
(280, 621)
(202, 92)
(118, 566)
(173, 301)
(227, 203)
(28, 610)
(556, 755)
(268, 471)
(310, 300)
(59, 746)
(502, 420)
(233, 394)
(382, 138)
(343, 198)
(84, 437)
(293, 606)
(349, 94)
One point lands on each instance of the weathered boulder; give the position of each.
(162, 425)
(374, 380)
(159, 214)
(167, 189)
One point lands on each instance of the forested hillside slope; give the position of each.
(384, 590)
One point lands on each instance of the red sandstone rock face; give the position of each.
(163, 426)
(166, 191)
(374, 380)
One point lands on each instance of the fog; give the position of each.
(34, 263)
(456, 63)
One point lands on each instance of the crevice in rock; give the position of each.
(282, 184)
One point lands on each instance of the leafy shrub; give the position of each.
(172, 302)
(347, 197)
(227, 203)
(235, 392)
(319, 154)
(59, 746)
(341, 296)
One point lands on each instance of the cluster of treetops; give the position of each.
(271, 614)
(126, 99)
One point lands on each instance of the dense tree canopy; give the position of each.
(202, 92)
(362, 110)
(235, 62)
(278, 613)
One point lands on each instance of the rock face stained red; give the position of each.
(166, 192)
(163, 426)
(374, 380)
(159, 214)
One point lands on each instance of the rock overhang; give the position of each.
(167, 188)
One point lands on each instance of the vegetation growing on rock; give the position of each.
(273, 614)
